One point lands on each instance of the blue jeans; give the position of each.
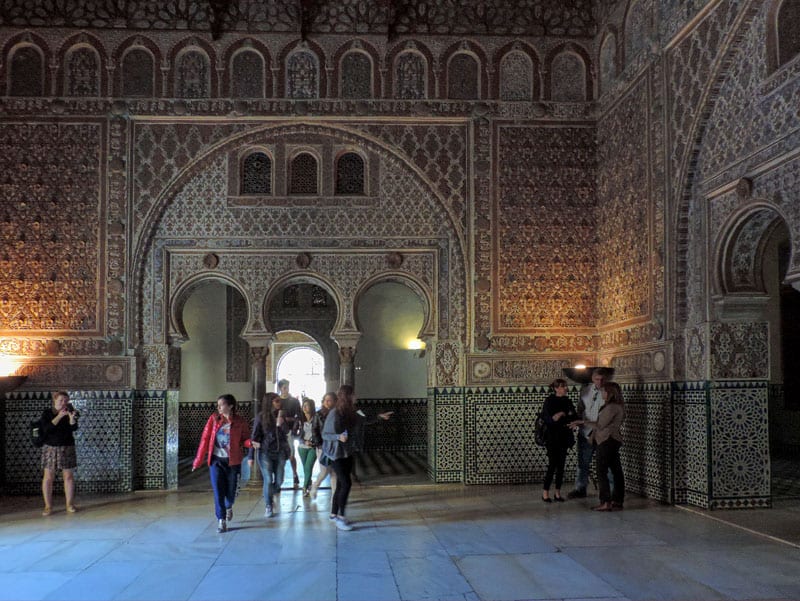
(272, 474)
(224, 478)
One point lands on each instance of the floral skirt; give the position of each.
(59, 458)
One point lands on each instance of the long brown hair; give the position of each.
(613, 393)
(346, 404)
(266, 414)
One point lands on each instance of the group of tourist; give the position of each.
(331, 435)
(597, 423)
(334, 433)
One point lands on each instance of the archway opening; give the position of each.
(783, 314)
(214, 361)
(390, 361)
(303, 365)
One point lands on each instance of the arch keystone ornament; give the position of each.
(211, 261)
(303, 260)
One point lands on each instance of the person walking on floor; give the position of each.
(318, 423)
(221, 448)
(292, 412)
(270, 443)
(306, 448)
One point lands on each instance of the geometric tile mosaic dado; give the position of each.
(103, 441)
(701, 443)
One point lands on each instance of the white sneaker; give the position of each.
(222, 526)
(343, 524)
(229, 514)
(268, 513)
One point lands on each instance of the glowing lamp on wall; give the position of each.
(8, 380)
(415, 344)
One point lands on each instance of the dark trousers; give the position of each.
(343, 468)
(556, 459)
(608, 459)
(224, 478)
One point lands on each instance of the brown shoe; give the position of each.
(71, 509)
(46, 511)
(603, 507)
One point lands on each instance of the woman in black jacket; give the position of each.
(558, 412)
(269, 438)
(58, 422)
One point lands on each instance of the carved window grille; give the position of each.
(350, 174)
(193, 75)
(410, 75)
(27, 73)
(462, 77)
(568, 78)
(138, 74)
(291, 296)
(256, 174)
(788, 31)
(319, 298)
(608, 63)
(83, 73)
(356, 76)
(303, 175)
(302, 76)
(516, 77)
(247, 75)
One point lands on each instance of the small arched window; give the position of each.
(356, 75)
(302, 75)
(256, 174)
(26, 76)
(410, 76)
(193, 75)
(788, 28)
(303, 174)
(350, 174)
(137, 74)
(83, 73)
(516, 77)
(568, 78)
(463, 80)
(608, 63)
(247, 75)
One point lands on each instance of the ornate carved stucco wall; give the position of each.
(542, 227)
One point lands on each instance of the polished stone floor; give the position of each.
(411, 541)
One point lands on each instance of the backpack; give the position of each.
(540, 430)
(37, 434)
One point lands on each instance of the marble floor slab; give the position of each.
(410, 542)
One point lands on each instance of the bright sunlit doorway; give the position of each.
(304, 367)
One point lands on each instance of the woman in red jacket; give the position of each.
(221, 445)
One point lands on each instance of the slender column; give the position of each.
(258, 376)
(346, 365)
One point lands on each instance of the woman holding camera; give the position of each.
(58, 453)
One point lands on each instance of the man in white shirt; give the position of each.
(588, 407)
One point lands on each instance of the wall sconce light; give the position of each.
(583, 374)
(415, 344)
(8, 379)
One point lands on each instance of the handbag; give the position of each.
(540, 431)
(37, 433)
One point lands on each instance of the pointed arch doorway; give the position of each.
(299, 360)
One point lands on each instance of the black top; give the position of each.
(557, 431)
(59, 435)
(272, 440)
